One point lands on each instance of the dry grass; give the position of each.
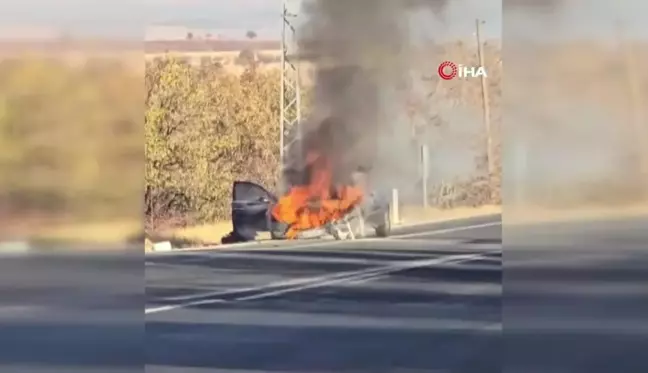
(196, 236)
(103, 232)
(206, 233)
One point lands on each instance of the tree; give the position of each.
(70, 139)
(251, 35)
(247, 57)
(206, 128)
(190, 36)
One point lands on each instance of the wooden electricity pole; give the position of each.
(486, 107)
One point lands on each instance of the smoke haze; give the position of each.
(363, 57)
(574, 109)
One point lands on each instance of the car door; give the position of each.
(251, 205)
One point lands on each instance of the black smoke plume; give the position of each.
(360, 51)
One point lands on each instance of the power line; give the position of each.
(290, 104)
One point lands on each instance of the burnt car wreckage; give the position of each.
(319, 201)
(326, 173)
(252, 214)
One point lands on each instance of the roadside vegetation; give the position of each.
(71, 135)
(207, 126)
(70, 144)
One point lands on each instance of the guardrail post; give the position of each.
(425, 169)
(394, 205)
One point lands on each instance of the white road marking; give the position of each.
(461, 245)
(250, 246)
(314, 282)
(294, 258)
(370, 276)
(447, 230)
(306, 283)
(280, 245)
(283, 245)
(301, 281)
(278, 284)
(291, 282)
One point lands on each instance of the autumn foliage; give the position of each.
(206, 128)
(70, 141)
(71, 135)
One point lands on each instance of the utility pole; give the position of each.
(290, 105)
(486, 106)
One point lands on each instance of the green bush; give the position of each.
(206, 128)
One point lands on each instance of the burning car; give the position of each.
(327, 190)
(253, 209)
(310, 209)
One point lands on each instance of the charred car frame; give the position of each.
(251, 214)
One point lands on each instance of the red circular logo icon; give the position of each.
(447, 65)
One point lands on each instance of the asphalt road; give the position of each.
(428, 299)
(576, 296)
(572, 297)
(67, 313)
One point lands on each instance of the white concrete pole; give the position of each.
(394, 210)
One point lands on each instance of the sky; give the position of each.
(231, 18)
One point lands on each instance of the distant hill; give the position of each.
(162, 46)
(14, 47)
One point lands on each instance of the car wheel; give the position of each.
(278, 231)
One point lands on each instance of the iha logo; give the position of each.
(450, 70)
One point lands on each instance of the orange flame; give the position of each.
(317, 203)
